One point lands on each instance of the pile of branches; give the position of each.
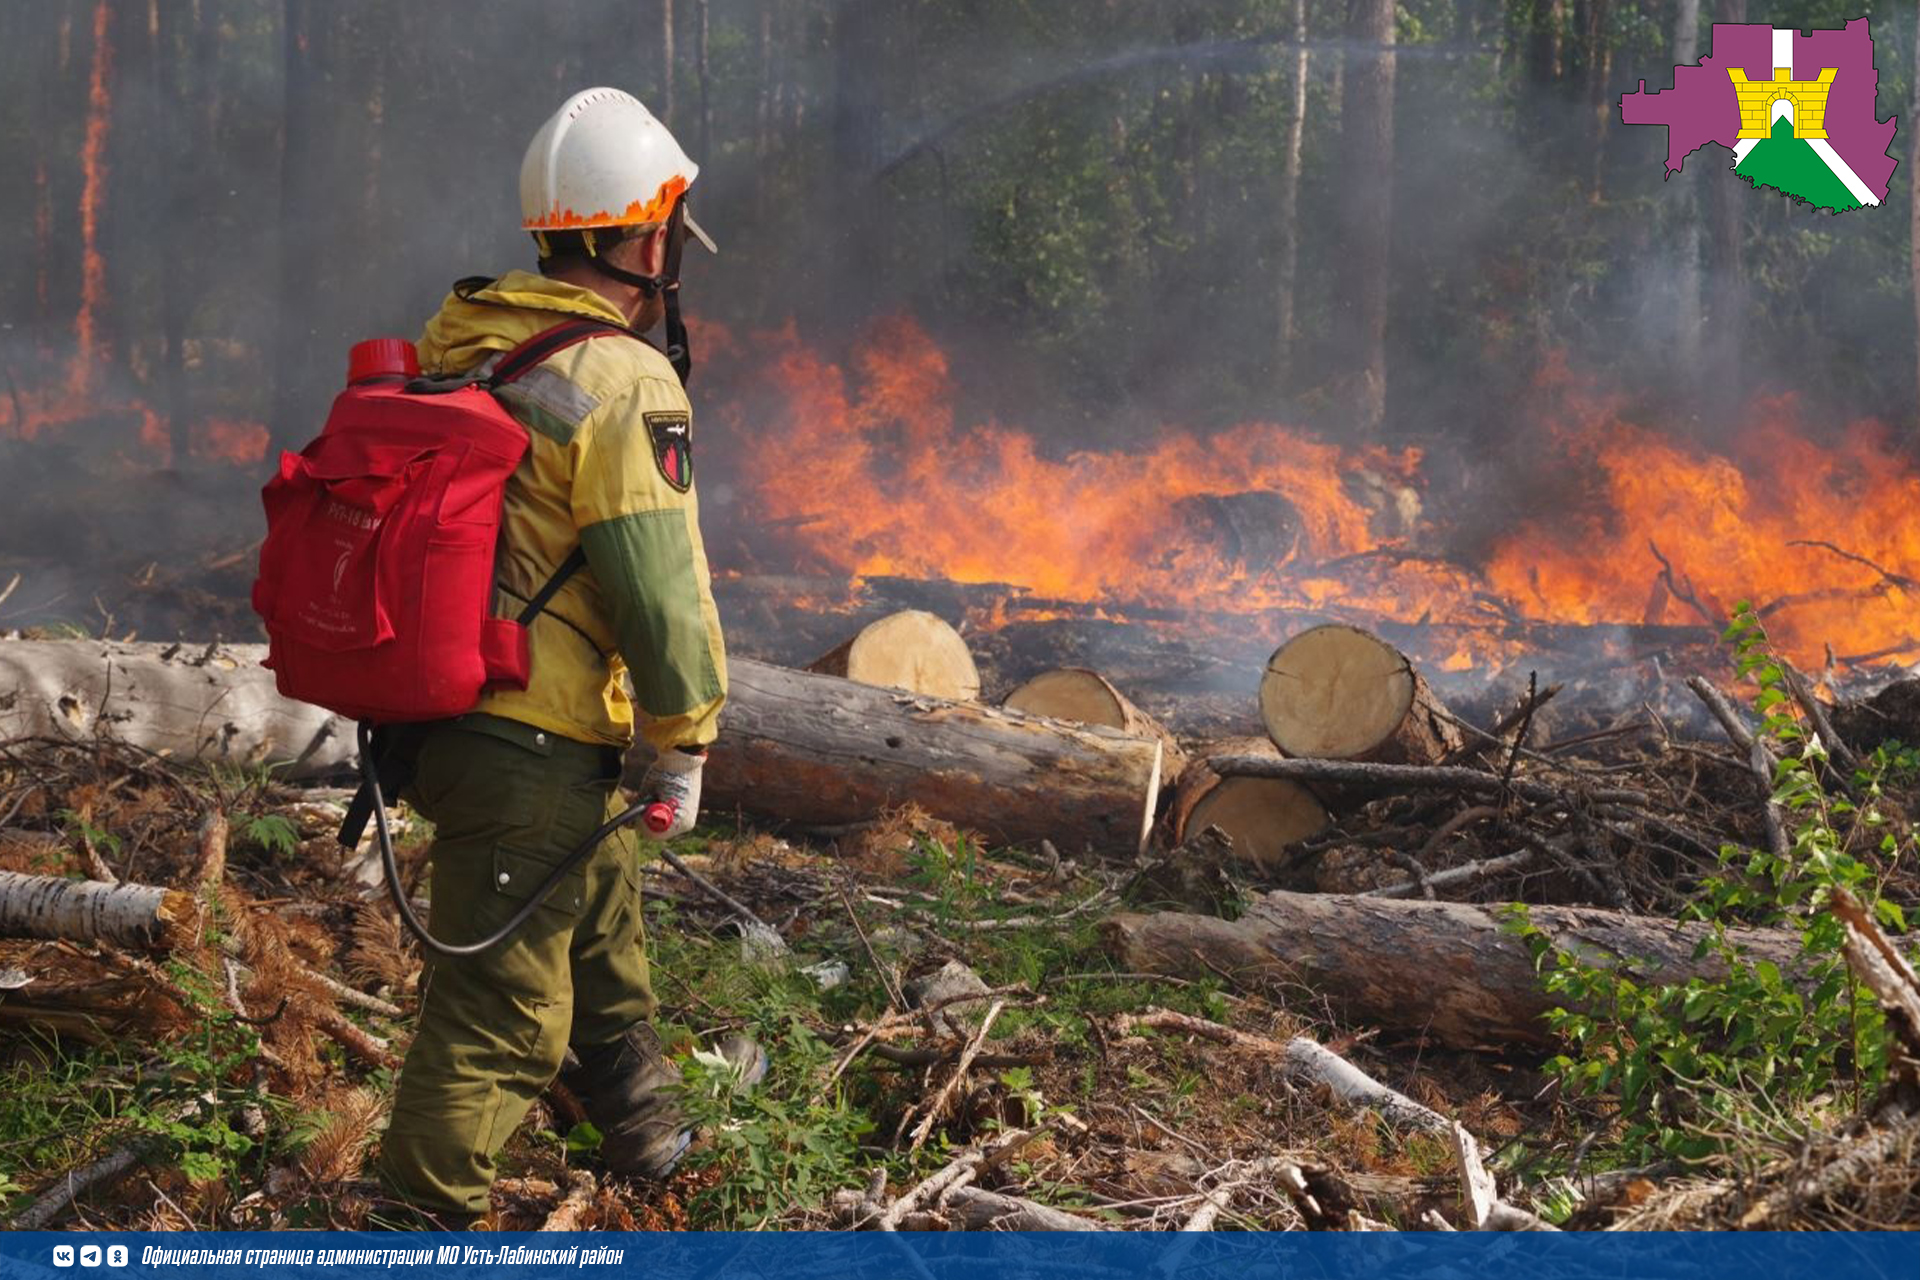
(143, 905)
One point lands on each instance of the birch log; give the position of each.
(191, 702)
(128, 915)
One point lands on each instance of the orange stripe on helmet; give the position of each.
(638, 213)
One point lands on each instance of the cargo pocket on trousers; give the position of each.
(517, 875)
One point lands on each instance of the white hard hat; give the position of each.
(602, 160)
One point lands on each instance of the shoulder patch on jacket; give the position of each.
(672, 434)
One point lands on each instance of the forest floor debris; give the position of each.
(239, 1077)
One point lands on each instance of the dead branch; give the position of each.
(1303, 1058)
(570, 1214)
(104, 1172)
(1466, 874)
(944, 1098)
(957, 1172)
(1779, 1205)
(1409, 777)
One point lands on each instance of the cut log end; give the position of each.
(1080, 696)
(1339, 693)
(1260, 816)
(912, 650)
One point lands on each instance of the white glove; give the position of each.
(672, 788)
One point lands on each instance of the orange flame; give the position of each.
(870, 473)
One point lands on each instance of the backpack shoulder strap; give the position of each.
(524, 358)
(547, 343)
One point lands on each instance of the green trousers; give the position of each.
(508, 802)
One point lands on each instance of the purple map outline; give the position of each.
(1701, 106)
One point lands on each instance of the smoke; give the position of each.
(1079, 204)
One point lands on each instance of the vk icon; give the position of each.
(63, 1255)
(116, 1255)
(89, 1255)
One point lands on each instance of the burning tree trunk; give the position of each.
(912, 650)
(1081, 696)
(1338, 693)
(1252, 532)
(1449, 970)
(1261, 816)
(821, 751)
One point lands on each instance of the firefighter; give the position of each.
(524, 778)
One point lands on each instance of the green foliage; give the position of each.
(193, 1092)
(1696, 1067)
(270, 832)
(78, 827)
(777, 1145)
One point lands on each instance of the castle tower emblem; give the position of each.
(1806, 101)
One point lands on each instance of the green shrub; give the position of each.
(1695, 1069)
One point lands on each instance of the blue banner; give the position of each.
(959, 1256)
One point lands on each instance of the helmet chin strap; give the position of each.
(667, 283)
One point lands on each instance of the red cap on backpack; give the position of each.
(381, 358)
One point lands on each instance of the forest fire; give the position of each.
(870, 474)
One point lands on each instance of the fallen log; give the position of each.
(821, 751)
(129, 915)
(809, 749)
(1339, 693)
(1081, 696)
(912, 650)
(209, 702)
(1448, 970)
(1261, 816)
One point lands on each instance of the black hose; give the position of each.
(370, 778)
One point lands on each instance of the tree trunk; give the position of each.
(89, 345)
(214, 703)
(299, 257)
(810, 749)
(1366, 139)
(854, 135)
(1336, 692)
(127, 915)
(1686, 218)
(1543, 44)
(912, 650)
(705, 83)
(821, 751)
(1913, 214)
(1726, 303)
(1448, 970)
(1290, 201)
(666, 63)
(173, 91)
(1260, 816)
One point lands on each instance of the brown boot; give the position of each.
(626, 1089)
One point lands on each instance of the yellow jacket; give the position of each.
(609, 470)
